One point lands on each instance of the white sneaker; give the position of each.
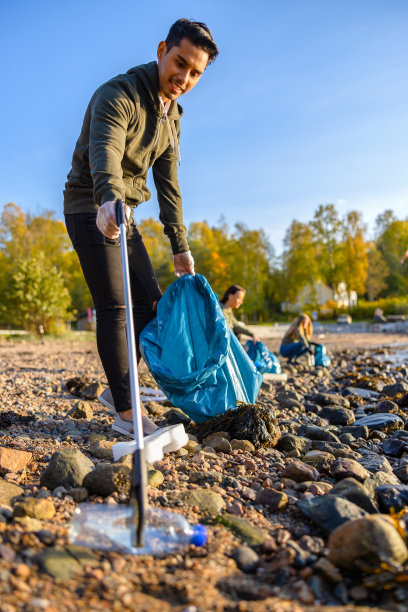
(126, 427)
(106, 399)
(147, 394)
(163, 440)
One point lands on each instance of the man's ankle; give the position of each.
(126, 415)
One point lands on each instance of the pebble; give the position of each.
(251, 534)
(356, 492)
(42, 509)
(275, 500)
(12, 460)
(108, 478)
(394, 447)
(327, 399)
(392, 497)
(67, 467)
(78, 494)
(366, 543)
(383, 421)
(208, 502)
(155, 478)
(329, 511)
(9, 492)
(337, 415)
(244, 445)
(81, 410)
(246, 558)
(290, 442)
(348, 468)
(299, 471)
(102, 449)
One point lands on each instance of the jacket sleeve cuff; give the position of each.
(178, 243)
(110, 195)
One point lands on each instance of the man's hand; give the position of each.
(106, 221)
(183, 264)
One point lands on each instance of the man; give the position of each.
(132, 123)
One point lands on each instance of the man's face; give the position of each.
(179, 69)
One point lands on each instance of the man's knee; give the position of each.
(111, 312)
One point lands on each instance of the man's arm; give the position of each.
(110, 116)
(171, 210)
(168, 193)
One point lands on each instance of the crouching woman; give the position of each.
(296, 341)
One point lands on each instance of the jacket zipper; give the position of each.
(156, 140)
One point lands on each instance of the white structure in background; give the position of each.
(320, 294)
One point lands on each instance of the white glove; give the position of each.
(183, 263)
(106, 221)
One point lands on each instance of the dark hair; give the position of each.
(231, 291)
(197, 32)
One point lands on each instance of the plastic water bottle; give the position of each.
(107, 527)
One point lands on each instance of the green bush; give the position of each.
(390, 306)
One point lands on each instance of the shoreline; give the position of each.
(264, 552)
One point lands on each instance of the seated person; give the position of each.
(233, 298)
(379, 316)
(296, 341)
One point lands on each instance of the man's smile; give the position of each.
(175, 88)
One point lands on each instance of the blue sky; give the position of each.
(306, 104)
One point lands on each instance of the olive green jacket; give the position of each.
(237, 326)
(124, 133)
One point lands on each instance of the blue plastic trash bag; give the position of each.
(321, 356)
(264, 360)
(194, 356)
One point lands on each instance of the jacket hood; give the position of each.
(148, 77)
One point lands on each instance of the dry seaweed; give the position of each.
(252, 422)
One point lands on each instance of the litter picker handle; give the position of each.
(138, 488)
(120, 212)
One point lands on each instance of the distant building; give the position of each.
(320, 294)
(86, 321)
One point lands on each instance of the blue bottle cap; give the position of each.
(199, 535)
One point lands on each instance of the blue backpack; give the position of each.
(264, 360)
(321, 356)
(194, 356)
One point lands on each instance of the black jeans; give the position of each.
(101, 263)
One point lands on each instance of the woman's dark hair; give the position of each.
(197, 32)
(231, 291)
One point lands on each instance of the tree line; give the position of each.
(41, 282)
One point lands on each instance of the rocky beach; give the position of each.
(304, 495)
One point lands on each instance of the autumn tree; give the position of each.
(326, 231)
(206, 244)
(249, 257)
(352, 259)
(24, 236)
(159, 250)
(300, 262)
(393, 243)
(36, 295)
(377, 272)
(383, 222)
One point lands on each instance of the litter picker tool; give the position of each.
(136, 529)
(138, 493)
